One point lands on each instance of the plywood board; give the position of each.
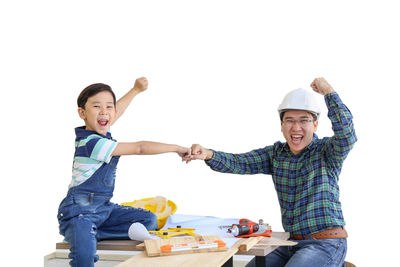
(140, 246)
(124, 245)
(184, 260)
(111, 255)
(267, 244)
(249, 243)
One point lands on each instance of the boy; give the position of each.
(86, 213)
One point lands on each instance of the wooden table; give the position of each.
(262, 247)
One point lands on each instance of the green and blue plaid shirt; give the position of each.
(306, 183)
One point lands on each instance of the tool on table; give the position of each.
(184, 245)
(193, 246)
(174, 232)
(247, 228)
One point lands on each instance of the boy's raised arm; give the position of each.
(141, 85)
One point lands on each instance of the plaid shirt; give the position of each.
(306, 183)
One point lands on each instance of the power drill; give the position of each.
(247, 228)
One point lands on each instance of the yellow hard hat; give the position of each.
(160, 206)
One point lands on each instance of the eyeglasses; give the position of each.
(302, 122)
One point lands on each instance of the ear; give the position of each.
(82, 113)
(315, 125)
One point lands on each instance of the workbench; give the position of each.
(261, 246)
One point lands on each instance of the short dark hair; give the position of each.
(92, 90)
(315, 117)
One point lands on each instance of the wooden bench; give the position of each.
(125, 250)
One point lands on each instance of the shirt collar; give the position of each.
(81, 132)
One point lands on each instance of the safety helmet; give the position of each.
(299, 99)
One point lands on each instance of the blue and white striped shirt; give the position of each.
(92, 150)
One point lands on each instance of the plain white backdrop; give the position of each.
(217, 72)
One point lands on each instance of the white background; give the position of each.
(217, 71)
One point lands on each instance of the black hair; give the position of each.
(315, 117)
(92, 90)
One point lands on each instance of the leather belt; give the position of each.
(327, 234)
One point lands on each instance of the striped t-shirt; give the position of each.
(91, 151)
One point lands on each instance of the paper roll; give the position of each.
(138, 232)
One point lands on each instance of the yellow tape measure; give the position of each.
(174, 232)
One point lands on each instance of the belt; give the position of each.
(327, 234)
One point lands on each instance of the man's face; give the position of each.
(99, 112)
(298, 127)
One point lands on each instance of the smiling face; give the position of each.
(99, 112)
(298, 127)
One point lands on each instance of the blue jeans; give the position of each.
(84, 220)
(86, 215)
(315, 253)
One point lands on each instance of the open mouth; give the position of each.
(102, 122)
(296, 139)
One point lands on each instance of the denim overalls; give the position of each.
(87, 215)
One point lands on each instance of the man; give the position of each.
(305, 171)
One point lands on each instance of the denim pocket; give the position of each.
(66, 208)
(83, 200)
(69, 200)
(336, 248)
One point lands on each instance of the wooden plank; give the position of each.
(140, 246)
(153, 247)
(106, 255)
(212, 259)
(124, 245)
(273, 241)
(268, 244)
(249, 243)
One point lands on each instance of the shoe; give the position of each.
(348, 264)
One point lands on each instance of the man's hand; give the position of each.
(199, 152)
(321, 86)
(141, 84)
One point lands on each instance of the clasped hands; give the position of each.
(195, 152)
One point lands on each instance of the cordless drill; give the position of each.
(247, 228)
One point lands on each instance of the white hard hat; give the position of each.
(299, 99)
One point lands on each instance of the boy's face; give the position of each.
(99, 112)
(298, 128)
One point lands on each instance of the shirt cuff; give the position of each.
(214, 160)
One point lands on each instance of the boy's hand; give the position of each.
(184, 153)
(321, 86)
(141, 84)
